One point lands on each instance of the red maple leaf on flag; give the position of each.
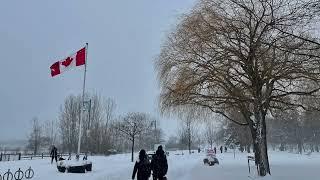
(67, 62)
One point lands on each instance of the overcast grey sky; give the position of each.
(124, 37)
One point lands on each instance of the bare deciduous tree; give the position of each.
(94, 125)
(210, 133)
(68, 123)
(132, 125)
(109, 107)
(250, 56)
(35, 137)
(187, 132)
(50, 132)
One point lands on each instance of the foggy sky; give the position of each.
(124, 37)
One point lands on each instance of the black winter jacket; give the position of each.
(54, 152)
(143, 168)
(159, 164)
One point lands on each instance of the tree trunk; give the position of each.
(300, 147)
(189, 144)
(258, 131)
(132, 149)
(189, 138)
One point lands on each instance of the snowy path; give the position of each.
(222, 171)
(284, 166)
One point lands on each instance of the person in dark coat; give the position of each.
(85, 157)
(69, 157)
(215, 150)
(221, 149)
(142, 165)
(54, 154)
(225, 149)
(159, 165)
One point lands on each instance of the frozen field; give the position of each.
(284, 166)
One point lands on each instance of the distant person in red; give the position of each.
(54, 154)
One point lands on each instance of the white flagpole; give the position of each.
(82, 103)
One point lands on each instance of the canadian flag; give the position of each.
(76, 59)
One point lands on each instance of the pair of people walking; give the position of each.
(158, 166)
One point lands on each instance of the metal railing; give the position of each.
(18, 175)
(19, 156)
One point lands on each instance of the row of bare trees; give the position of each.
(295, 131)
(103, 131)
(42, 135)
(248, 56)
(97, 116)
(290, 130)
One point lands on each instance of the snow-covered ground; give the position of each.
(284, 166)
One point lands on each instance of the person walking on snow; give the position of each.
(142, 165)
(159, 165)
(215, 150)
(54, 154)
(221, 149)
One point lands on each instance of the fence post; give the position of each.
(1, 157)
(19, 156)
